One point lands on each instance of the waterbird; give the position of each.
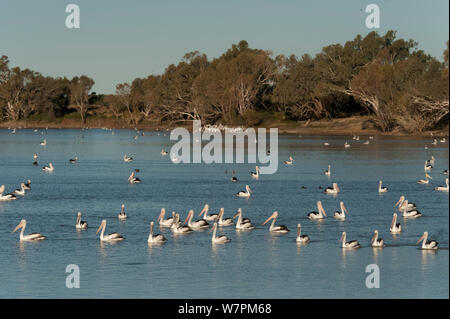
(28, 185)
(395, 227)
(402, 203)
(6, 197)
(332, 190)
(301, 239)
(328, 171)
(73, 160)
(290, 161)
(233, 178)
(445, 172)
(242, 223)
(43, 143)
(164, 153)
(320, 214)
(113, 237)
(432, 244)
(122, 215)
(410, 213)
(204, 212)
(165, 222)
(198, 224)
(375, 241)
(133, 180)
(80, 224)
(341, 214)
(427, 167)
(20, 191)
(346, 145)
(442, 188)
(30, 237)
(48, 168)
(282, 229)
(179, 229)
(382, 189)
(255, 174)
(155, 239)
(348, 244)
(426, 180)
(224, 222)
(245, 193)
(127, 159)
(218, 239)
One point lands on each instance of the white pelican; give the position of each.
(410, 213)
(28, 185)
(328, 171)
(35, 156)
(443, 140)
(127, 159)
(220, 239)
(290, 162)
(30, 237)
(432, 244)
(245, 193)
(179, 229)
(395, 227)
(346, 144)
(43, 143)
(133, 180)
(366, 142)
(301, 239)
(122, 215)
(375, 241)
(320, 214)
(332, 190)
(276, 229)
(348, 244)
(442, 188)
(222, 221)
(402, 203)
(242, 223)
(326, 144)
(155, 239)
(434, 142)
(113, 237)
(371, 137)
(426, 180)
(445, 172)
(255, 174)
(164, 153)
(165, 222)
(20, 191)
(6, 197)
(210, 218)
(427, 167)
(80, 224)
(73, 160)
(341, 214)
(431, 161)
(381, 189)
(48, 168)
(198, 224)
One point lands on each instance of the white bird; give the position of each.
(375, 242)
(218, 239)
(127, 159)
(122, 215)
(224, 222)
(348, 244)
(366, 142)
(255, 175)
(198, 224)
(326, 144)
(43, 143)
(341, 214)
(30, 237)
(301, 239)
(442, 188)
(20, 191)
(426, 180)
(164, 153)
(80, 224)
(328, 171)
(245, 193)
(73, 160)
(155, 239)
(382, 189)
(179, 229)
(133, 179)
(204, 212)
(410, 213)
(431, 161)
(282, 229)
(395, 228)
(290, 161)
(445, 172)
(402, 203)
(6, 197)
(346, 145)
(332, 190)
(427, 167)
(113, 237)
(320, 214)
(432, 244)
(242, 223)
(48, 168)
(165, 222)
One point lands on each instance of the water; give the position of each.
(255, 264)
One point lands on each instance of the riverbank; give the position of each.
(356, 125)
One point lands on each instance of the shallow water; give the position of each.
(254, 264)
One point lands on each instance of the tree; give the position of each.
(79, 94)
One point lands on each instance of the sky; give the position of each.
(120, 40)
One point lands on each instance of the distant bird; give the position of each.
(73, 160)
(122, 214)
(281, 229)
(43, 143)
(164, 153)
(426, 180)
(155, 239)
(290, 161)
(48, 168)
(379, 243)
(445, 172)
(133, 180)
(432, 244)
(395, 227)
(341, 214)
(382, 189)
(255, 174)
(328, 171)
(346, 145)
(20, 191)
(127, 159)
(245, 193)
(349, 244)
(234, 178)
(301, 239)
(332, 190)
(443, 188)
(80, 224)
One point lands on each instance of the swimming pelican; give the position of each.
(155, 239)
(133, 180)
(30, 237)
(434, 142)
(179, 229)
(43, 143)
(165, 222)
(127, 159)
(242, 223)
(432, 244)
(341, 214)
(80, 224)
(224, 222)
(366, 142)
(431, 161)
(346, 144)
(382, 189)
(245, 193)
(445, 172)
(164, 153)
(348, 244)
(326, 144)
(20, 191)
(122, 215)
(28, 185)
(35, 156)
(290, 162)
(320, 214)
(6, 197)
(426, 180)
(73, 160)
(276, 229)
(395, 227)
(301, 239)
(328, 171)
(410, 213)
(427, 167)
(442, 188)
(375, 241)
(48, 168)
(402, 203)
(255, 175)
(198, 224)
(443, 140)
(204, 212)
(234, 178)
(113, 237)
(332, 190)
(218, 239)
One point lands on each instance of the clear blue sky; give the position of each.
(121, 40)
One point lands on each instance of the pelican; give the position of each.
(80, 224)
(245, 193)
(328, 171)
(366, 142)
(113, 237)
(301, 239)
(442, 188)
(234, 178)
(127, 159)
(427, 167)
(242, 223)
(43, 143)
(165, 222)
(255, 175)
(432, 244)
(402, 203)
(371, 137)
(346, 144)
(73, 160)
(381, 189)
(410, 213)
(155, 239)
(35, 156)
(28, 185)
(395, 227)
(348, 244)
(445, 172)
(290, 161)
(179, 229)
(30, 237)
(341, 214)
(431, 161)
(218, 239)
(20, 191)
(204, 212)
(226, 221)
(198, 224)
(122, 215)
(375, 241)
(426, 180)
(434, 142)
(133, 180)
(276, 229)
(6, 197)
(164, 153)
(48, 168)
(443, 140)
(332, 190)
(326, 144)
(320, 214)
